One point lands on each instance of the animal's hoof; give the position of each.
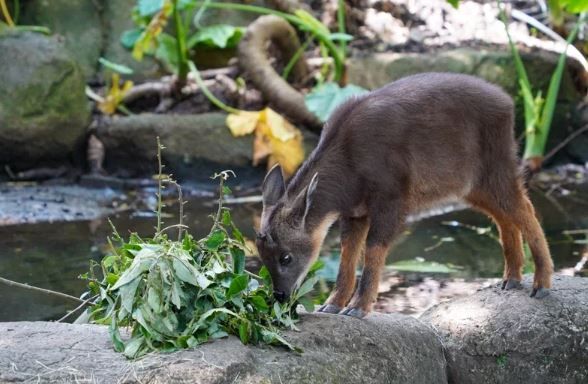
(354, 312)
(511, 284)
(540, 293)
(329, 308)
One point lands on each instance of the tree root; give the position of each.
(255, 63)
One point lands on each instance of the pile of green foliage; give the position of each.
(174, 294)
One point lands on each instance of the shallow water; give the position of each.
(463, 242)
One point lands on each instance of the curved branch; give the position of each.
(255, 62)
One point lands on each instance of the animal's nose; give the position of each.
(280, 296)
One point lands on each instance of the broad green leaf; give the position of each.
(214, 241)
(307, 303)
(149, 7)
(574, 6)
(307, 286)
(265, 276)
(133, 347)
(218, 36)
(238, 285)
(259, 303)
(127, 293)
(238, 256)
(129, 37)
(454, 3)
(324, 99)
(114, 332)
(167, 51)
(184, 272)
(244, 332)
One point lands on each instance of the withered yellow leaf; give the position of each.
(115, 95)
(280, 127)
(276, 139)
(242, 123)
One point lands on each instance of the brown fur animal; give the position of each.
(394, 151)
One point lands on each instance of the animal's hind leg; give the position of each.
(532, 232)
(514, 207)
(510, 239)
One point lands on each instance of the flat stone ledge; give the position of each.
(337, 349)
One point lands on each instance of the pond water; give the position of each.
(438, 257)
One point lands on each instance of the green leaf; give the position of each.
(454, 3)
(307, 303)
(149, 7)
(133, 347)
(259, 303)
(215, 240)
(129, 37)
(167, 51)
(574, 6)
(114, 332)
(127, 294)
(324, 99)
(238, 256)
(238, 285)
(265, 276)
(122, 69)
(340, 36)
(244, 332)
(307, 286)
(218, 36)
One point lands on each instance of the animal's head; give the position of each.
(286, 242)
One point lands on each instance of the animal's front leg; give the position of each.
(386, 221)
(367, 291)
(353, 236)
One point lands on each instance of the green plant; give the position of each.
(538, 111)
(173, 294)
(10, 22)
(325, 98)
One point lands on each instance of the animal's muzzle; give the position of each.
(280, 296)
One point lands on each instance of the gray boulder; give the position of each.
(197, 146)
(43, 109)
(494, 65)
(337, 349)
(78, 22)
(506, 337)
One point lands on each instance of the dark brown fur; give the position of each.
(398, 150)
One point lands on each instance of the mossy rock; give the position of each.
(43, 108)
(78, 22)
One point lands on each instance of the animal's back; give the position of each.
(438, 132)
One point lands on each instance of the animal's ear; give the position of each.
(273, 186)
(304, 200)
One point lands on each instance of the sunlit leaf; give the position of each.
(242, 123)
(146, 42)
(129, 37)
(149, 7)
(219, 36)
(238, 285)
(324, 99)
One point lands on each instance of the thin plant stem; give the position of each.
(37, 289)
(213, 99)
(16, 8)
(6, 14)
(159, 186)
(295, 58)
(341, 25)
(181, 44)
(82, 305)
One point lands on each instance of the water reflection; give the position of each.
(464, 242)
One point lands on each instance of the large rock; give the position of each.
(196, 146)
(77, 21)
(496, 66)
(337, 349)
(506, 337)
(43, 109)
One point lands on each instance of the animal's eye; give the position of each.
(285, 259)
